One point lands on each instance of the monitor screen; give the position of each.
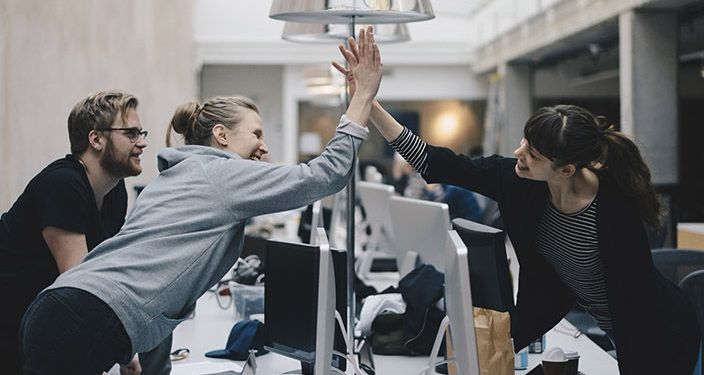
(421, 227)
(488, 265)
(375, 199)
(291, 299)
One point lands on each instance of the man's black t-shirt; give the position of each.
(59, 196)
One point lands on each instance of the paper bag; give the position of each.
(493, 331)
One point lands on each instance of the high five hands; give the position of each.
(365, 66)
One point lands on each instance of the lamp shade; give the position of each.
(342, 11)
(335, 33)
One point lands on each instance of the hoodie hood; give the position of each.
(171, 156)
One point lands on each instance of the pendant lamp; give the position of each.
(335, 33)
(340, 11)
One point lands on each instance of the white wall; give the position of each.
(54, 53)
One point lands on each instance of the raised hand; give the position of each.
(365, 63)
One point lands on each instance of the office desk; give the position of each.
(209, 329)
(593, 360)
(690, 236)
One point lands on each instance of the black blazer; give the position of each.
(656, 328)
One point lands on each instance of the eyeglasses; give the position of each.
(133, 134)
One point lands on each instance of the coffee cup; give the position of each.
(554, 362)
(554, 368)
(572, 363)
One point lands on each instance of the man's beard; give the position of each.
(118, 168)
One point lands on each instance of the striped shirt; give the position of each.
(413, 149)
(568, 242)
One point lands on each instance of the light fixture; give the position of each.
(363, 11)
(335, 33)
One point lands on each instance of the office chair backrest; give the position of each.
(693, 287)
(675, 264)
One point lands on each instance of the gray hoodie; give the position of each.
(187, 228)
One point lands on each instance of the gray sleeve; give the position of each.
(250, 188)
(157, 361)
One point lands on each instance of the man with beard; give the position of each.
(70, 207)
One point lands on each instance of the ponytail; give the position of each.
(195, 121)
(183, 121)
(625, 164)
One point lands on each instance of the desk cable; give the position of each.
(350, 353)
(425, 369)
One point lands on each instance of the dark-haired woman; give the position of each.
(573, 202)
(184, 234)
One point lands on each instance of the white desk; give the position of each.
(593, 360)
(211, 326)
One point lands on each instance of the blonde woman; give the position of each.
(185, 233)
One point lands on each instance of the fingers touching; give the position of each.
(350, 56)
(368, 47)
(364, 60)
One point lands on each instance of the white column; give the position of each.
(516, 104)
(648, 87)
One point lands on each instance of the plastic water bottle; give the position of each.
(521, 359)
(537, 346)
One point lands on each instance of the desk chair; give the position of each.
(675, 264)
(692, 286)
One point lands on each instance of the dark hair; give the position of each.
(568, 134)
(195, 122)
(96, 112)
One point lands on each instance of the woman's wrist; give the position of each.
(364, 94)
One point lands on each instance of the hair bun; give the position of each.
(185, 115)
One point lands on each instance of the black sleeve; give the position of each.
(62, 200)
(482, 175)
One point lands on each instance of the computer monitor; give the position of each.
(488, 265)
(380, 255)
(375, 199)
(420, 229)
(324, 213)
(304, 286)
(317, 221)
(458, 304)
(314, 216)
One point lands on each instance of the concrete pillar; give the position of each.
(515, 103)
(648, 86)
